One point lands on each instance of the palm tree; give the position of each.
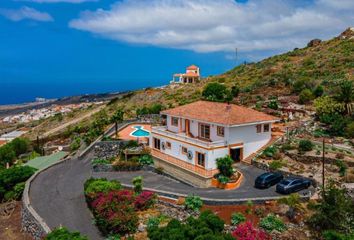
(346, 94)
(117, 117)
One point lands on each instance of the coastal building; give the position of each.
(192, 75)
(195, 135)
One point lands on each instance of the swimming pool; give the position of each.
(140, 132)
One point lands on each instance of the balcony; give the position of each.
(162, 130)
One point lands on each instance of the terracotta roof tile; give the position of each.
(220, 113)
(192, 67)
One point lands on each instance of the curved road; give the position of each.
(57, 193)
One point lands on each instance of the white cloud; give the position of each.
(218, 25)
(25, 13)
(59, 1)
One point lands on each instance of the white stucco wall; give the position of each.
(252, 141)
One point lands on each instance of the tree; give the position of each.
(7, 155)
(306, 96)
(327, 105)
(216, 92)
(235, 91)
(345, 94)
(20, 145)
(224, 166)
(335, 211)
(118, 116)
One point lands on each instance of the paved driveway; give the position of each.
(57, 193)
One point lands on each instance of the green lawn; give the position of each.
(43, 162)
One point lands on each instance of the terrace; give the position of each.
(182, 136)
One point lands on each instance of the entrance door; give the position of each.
(236, 154)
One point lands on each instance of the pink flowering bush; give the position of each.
(145, 200)
(246, 231)
(115, 210)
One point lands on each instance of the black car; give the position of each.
(268, 179)
(291, 185)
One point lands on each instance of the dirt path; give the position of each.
(72, 122)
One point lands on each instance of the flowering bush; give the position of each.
(115, 209)
(145, 200)
(115, 213)
(246, 231)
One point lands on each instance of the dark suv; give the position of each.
(268, 179)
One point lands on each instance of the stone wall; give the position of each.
(107, 149)
(31, 225)
(314, 159)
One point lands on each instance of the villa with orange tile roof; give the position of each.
(196, 134)
(192, 75)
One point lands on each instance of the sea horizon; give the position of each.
(22, 93)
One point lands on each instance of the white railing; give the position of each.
(163, 131)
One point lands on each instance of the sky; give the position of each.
(56, 48)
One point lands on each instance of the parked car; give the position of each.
(266, 180)
(291, 185)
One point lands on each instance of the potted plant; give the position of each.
(227, 178)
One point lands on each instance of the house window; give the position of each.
(157, 143)
(204, 131)
(200, 159)
(168, 145)
(266, 128)
(259, 128)
(221, 131)
(174, 121)
(184, 150)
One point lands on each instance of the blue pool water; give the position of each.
(140, 132)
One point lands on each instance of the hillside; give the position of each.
(321, 62)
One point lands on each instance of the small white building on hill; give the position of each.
(192, 75)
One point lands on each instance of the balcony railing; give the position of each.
(183, 137)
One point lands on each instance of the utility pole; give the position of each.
(323, 162)
(236, 53)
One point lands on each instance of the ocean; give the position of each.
(22, 92)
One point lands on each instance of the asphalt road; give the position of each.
(57, 193)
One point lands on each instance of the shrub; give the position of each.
(306, 96)
(115, 212)
(335, 210)
(275, 165)
(246, 231)
(273, 104)
(208, 226)
(214, 222)
(127, 166)
(305, 145)
(145, 200)
(10, 177)
(237, 218)
(100, 185)
(62, 233)
(270, 151)
(193, 202)
(146, 160)
(350, 130)
(249, 207)
(99, 161)
(224, 166)
(318, 92)
(342, 167)
(138, 184)
(75, 144)
(271, 222)
(333, 235)
(293, 200)
(223, 179)
(20, 145)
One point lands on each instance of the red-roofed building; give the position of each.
(196, 134)
(192, 75)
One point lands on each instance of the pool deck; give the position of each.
(125, 132)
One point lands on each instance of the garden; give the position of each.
(130, 157)
(228, 178)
